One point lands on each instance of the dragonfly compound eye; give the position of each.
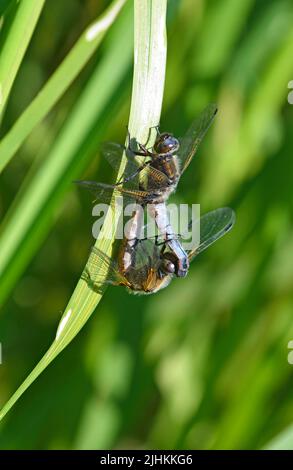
(168, 267)
(166, 143)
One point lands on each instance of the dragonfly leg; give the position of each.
(143, 146)
(158, 135)
(143, 152)
(149, 134)
(157, 127)
(159, 242)
(133, 175)
(132, 150)
(168, 239)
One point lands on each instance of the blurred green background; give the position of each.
(204, 363)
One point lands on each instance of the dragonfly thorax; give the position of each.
(168, 165)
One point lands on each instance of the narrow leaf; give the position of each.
(58, 83)
(16, 44)
(147, 94)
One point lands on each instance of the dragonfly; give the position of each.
(158, 175)
(146, 266)
(162, 167)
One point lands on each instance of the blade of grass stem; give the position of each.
(59, 82)
(284, 441)
(16, 44)
(147, 95)
(24, 224)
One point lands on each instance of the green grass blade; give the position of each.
(16, 44)
(58, 83)
(283, 441)
(30, 217)
(147, 94)
(4, 4)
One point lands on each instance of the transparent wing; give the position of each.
(100, 270)
(212, 226)
(190, 142)
(147, 254)
(151, 177)
(113, 153)
(103, 192)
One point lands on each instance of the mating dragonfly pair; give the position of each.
(148, 265)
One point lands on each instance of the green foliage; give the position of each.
(25, 224)
(57, 84)
(282, 442)
(21, 28)
(204, 363)
(150, 69)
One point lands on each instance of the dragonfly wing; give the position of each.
(190, 142)
(104, 192)
(113, 153)
(149, 176)
(212, 226)
(100, 270)
(146, 255)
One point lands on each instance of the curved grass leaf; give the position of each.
(147, 94)
(283, 441)
(58, 83)
(16, 43)
(30, 217)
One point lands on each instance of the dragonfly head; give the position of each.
(166, 143)
(172, 265)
